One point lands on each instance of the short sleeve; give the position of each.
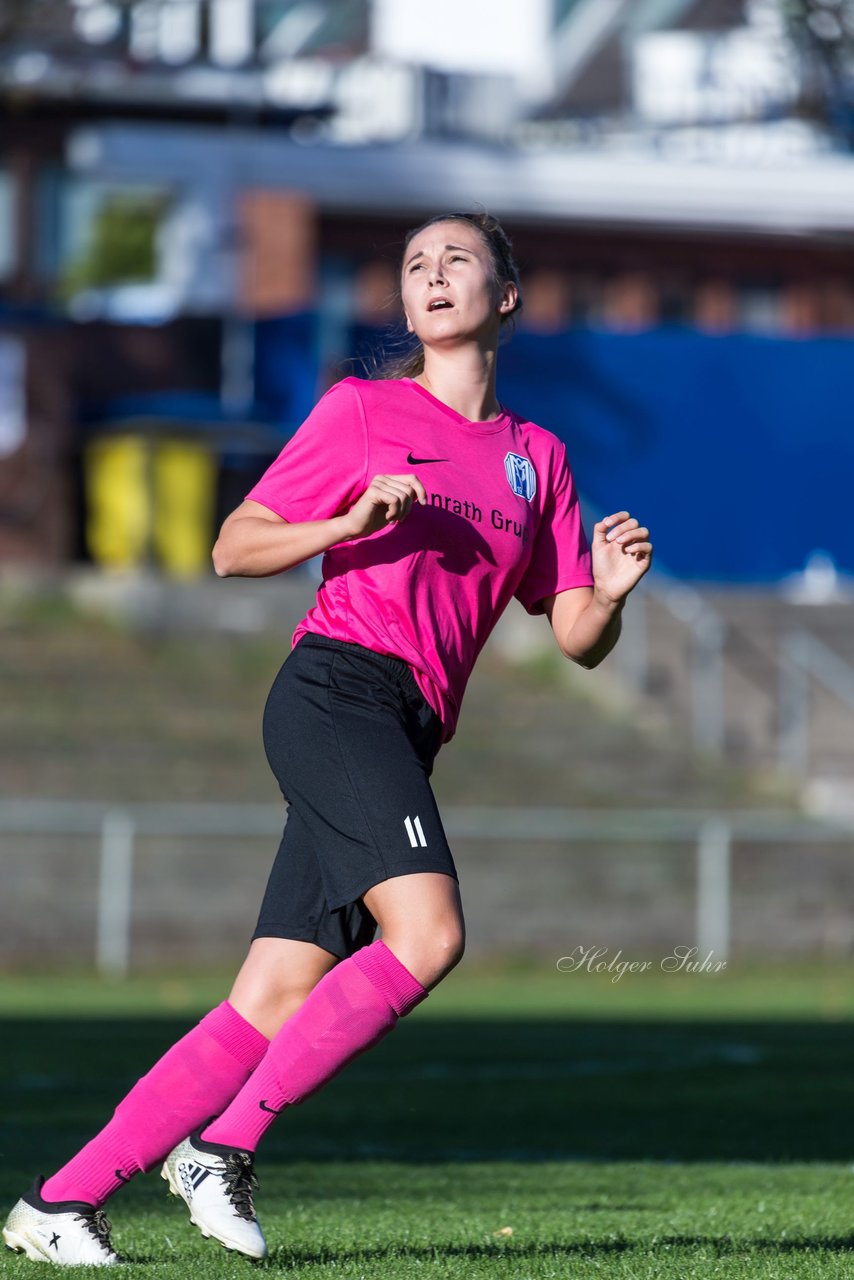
(323, 468)
(561, 554)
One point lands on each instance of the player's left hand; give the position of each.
(621, 554)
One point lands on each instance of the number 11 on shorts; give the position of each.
(415, 832)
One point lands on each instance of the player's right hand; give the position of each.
(387, 500)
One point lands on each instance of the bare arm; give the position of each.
(254, 542)
(587, 621)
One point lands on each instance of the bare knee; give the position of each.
(421, 919)
(448, 949)
(429, 956)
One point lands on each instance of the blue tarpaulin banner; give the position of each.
(737, 451)
(286, 369)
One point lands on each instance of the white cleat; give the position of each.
(68, 1233)
(216, 1184)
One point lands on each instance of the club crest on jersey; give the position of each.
(521, 475)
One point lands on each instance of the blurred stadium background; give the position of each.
(202, 204)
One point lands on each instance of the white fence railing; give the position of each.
(805, 658)
(800, 660)
(711, 834)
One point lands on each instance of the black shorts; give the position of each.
(351, 741)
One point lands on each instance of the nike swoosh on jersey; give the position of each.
(419, 462)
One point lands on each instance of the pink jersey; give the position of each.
(501, 520)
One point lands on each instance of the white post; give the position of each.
(231, 37)
(713, 896)
(114, 894)
(707, 680)
(632, 654)
(794, 714)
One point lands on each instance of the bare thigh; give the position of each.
(275, 978)
(421, 917)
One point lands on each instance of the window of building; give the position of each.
(95, 235)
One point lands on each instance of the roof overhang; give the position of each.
(813, 196)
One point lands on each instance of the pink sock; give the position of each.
(350, 1009)
(195, 1079)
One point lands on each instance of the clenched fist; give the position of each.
(387, 499)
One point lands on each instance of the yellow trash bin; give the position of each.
(184, 482)
(148, 497)
(118, 501)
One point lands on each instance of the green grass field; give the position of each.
(522, 1123)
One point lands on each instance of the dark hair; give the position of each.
(408, 359)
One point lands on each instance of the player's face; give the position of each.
(448, 286)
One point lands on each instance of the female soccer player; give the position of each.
(434, 505)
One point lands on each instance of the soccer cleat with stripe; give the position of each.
(216, 1184)
(68, 1233)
